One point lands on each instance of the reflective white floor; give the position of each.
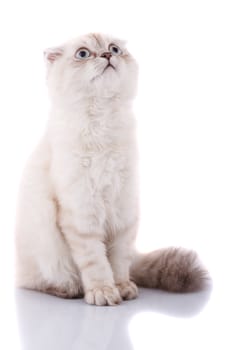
(155, 320)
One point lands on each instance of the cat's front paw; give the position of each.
(103, 296)
(128, 290)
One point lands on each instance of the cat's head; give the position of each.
(91, 65)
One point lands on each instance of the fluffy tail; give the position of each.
(171, 269)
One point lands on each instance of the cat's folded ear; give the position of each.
(52, 54)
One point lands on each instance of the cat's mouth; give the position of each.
(109, 65)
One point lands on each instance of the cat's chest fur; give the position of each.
(93, 165)
(95, 147)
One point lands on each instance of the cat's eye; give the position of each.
(82, 54)
(115, 50)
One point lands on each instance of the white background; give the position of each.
(184, 110)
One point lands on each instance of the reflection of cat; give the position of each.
(82, 327)
(78, 206)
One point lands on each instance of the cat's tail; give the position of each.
(171, 269)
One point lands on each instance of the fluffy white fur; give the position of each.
(78, 204)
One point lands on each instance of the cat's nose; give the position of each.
(106, 55)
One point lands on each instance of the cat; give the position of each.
(78, 207)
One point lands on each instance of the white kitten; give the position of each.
(78, 206)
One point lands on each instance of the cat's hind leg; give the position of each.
(43, 259)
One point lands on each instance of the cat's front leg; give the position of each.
(89, 253)
(81, 217)
(120, 257)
